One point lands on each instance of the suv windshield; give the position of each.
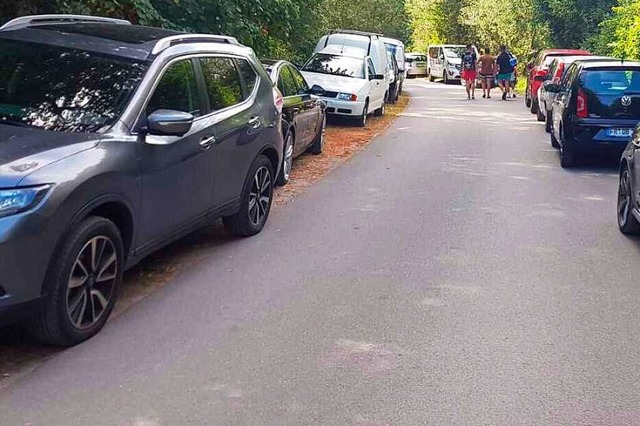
(454, 52)
(63, 89)
(611, 82)
(336, 65)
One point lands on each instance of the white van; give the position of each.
(396, 48)
(370, 43)
(445, 62)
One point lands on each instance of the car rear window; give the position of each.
(418, 58)
(64, 89)
(611, 82)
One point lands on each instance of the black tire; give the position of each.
(527, 97)
(431, 77)
(55, 324)
(242, 224)
(445, 79)
(287, 160)
(540, 116)
(567, 154)
(382, 110)
(318, 143)
(627, 222)
(547, 122)
(362, 120)
(534, 106)
(554, 141)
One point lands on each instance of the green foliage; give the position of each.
(620, 34)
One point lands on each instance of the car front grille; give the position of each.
(331, 110)
(344, 111)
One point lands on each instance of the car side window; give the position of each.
(567, 76)
(301, 83)
(248, 75)
(223, 82)
(370, 67)
(177, 90)
(286, 83)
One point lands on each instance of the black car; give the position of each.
(629, 187)
(596, 108)
(303, 114)
(116, 140)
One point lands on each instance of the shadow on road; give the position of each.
(20, 353)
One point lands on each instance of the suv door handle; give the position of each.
(207, 142)
(255, 122)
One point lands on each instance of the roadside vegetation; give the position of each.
(289, 29)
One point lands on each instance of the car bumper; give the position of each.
(454, 74)
(416, 71)
(26, 245)
(591, 135)
(346, 108)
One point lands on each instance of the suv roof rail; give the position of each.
(25, 21)
(167, 42)
(355, 32)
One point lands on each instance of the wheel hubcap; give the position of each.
(91, 282)
(260, 196)
(624, 198)
(288, 158)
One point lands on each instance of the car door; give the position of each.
(377, 88)
(293, 105)
(311, 112)
(177, 171)
(231, 86)
(563, 100)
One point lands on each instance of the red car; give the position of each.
(539, 68)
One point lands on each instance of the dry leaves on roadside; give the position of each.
(343, 140)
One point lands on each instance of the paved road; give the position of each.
(451, 273)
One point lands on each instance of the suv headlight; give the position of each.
(17, 200)
(347, 97)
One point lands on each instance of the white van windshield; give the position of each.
(454, 52)
(344, 66)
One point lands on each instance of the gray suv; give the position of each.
(116, 140)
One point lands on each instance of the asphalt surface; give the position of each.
(451, 273)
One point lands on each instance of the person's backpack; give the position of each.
(513, 60)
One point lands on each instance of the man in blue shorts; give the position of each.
(505, 71)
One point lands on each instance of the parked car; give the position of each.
(555, 73)
(416, 65)
(628, 204)
(395, 79)
(352, 87)
(596, 108)
(370, 44)
(303, 115)
(117, 140)
(396, 48)
(537, 70)
(445, 62)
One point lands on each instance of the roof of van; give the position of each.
(392, 41)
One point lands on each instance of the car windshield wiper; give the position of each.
(15, 123)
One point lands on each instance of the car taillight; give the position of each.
(278, 99)
(581, 110)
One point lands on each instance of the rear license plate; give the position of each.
(620, 133)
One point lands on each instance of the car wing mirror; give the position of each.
(166, 122)
(377, 77)
(317, 90)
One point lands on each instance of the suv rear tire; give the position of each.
(255, 204)
(534, 106)
(527, 97)
(362, 120)
(318, 143)
(567, 154)
(85, 277)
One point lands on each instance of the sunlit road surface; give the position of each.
(451, 273)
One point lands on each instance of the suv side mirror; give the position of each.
(167, 122)
(376, 77)
(317, 90)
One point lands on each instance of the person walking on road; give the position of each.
(505, 71)
(487, 66)
(469, 73)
